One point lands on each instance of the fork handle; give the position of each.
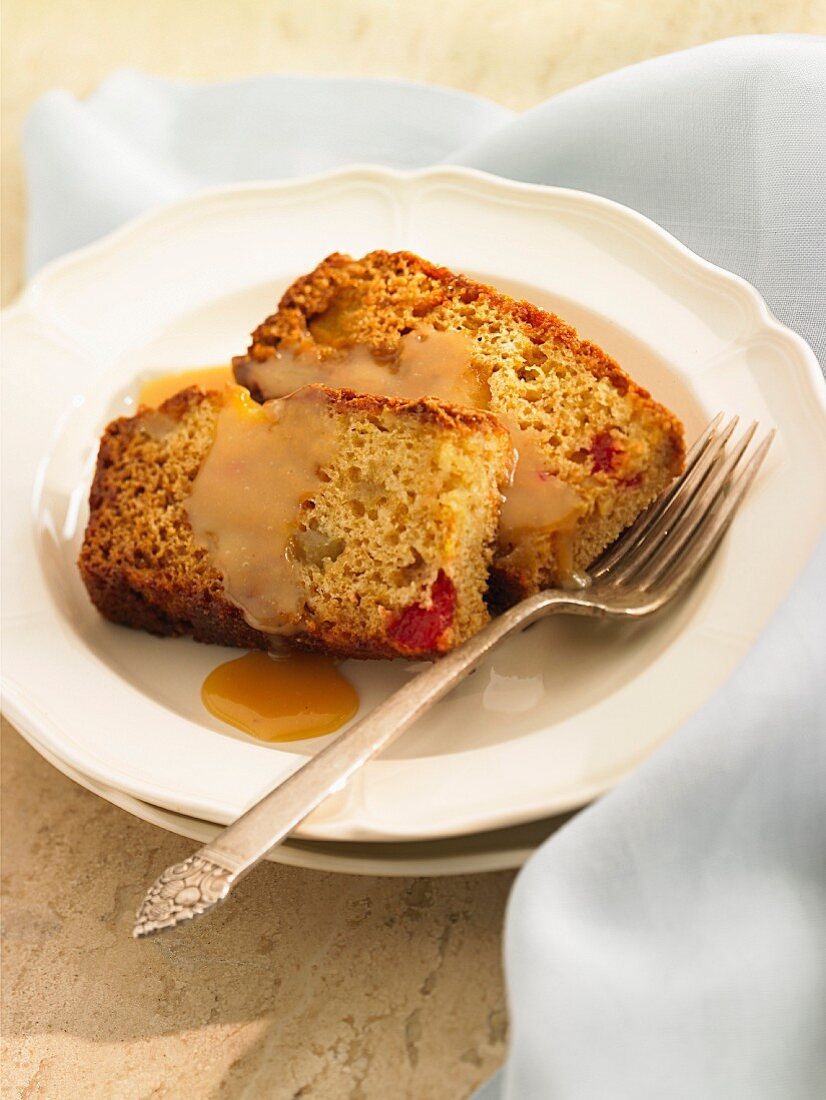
(214, 869)
(241, 845)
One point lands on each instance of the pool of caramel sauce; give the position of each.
(287, 697)
(290, 696)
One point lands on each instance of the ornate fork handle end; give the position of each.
(184, 891)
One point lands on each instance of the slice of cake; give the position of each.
(358, 525)
(594, 448)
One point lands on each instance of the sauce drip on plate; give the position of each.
(287, 698)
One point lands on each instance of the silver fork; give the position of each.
(648, 566)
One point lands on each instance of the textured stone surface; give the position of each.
(305, 984)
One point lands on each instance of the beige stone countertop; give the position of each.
(306, 984)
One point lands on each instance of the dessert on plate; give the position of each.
(404, 449)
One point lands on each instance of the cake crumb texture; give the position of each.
(400, 529)
(601, 433)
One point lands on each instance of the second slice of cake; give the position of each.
(593, 447)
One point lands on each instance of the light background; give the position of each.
(517, 52)
(306, 984)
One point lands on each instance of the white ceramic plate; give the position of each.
(559, 715)
(499, 850)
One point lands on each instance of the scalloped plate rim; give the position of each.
(23, 710)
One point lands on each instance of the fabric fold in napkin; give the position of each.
(723, 145)
(668, 941)
(140, 141)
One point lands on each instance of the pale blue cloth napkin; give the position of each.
(671, 940)
(140, 140)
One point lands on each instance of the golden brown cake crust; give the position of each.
(314, 291)
(164, 601)
(142, 567)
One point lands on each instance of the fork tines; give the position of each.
(677, 533)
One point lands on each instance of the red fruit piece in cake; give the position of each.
(605, 453)
(419, 627)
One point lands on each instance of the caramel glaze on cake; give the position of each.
(373, 538)
(592, 443)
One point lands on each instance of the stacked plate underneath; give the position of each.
(552, 720)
